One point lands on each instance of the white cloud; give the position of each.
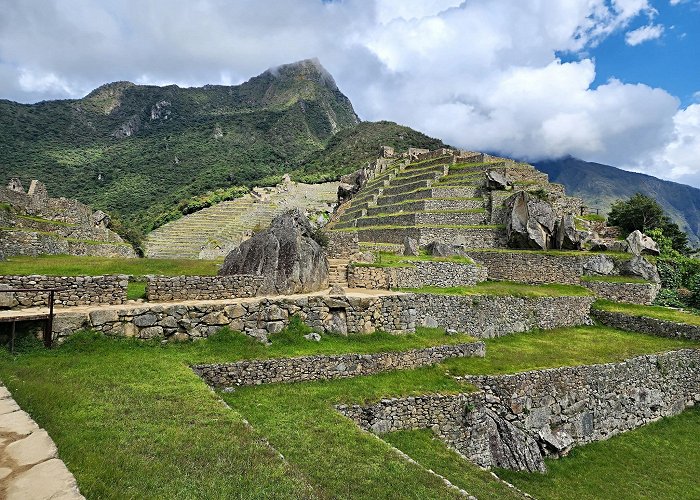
(644, 34)
(479, 74)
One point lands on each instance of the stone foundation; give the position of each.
(268, 371)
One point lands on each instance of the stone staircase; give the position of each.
(444, 198)
(213, 232)
(338, 272)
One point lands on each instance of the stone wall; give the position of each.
(530, 267)
(327, 367)
(634, 293)
(419, 274)
(487, 316)
(168, 288)
(514, 420)
(80, 290)
(256, 317)
(342, 244)
(575, 405)
(650, 326)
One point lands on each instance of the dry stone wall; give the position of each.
(13, 242)
(487, 316)
(515, 420)
(530, 267)
(575, 405)
(177, 288)
(650, 326)
(342, 244)
(419, 274)
(79, 290)
(268, 371)
(633, 293)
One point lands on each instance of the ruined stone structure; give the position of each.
(74, 290)
(179, 288)
(32, 223)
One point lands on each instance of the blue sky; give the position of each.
(611, 81)
(671, 62)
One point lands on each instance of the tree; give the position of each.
(643, 213)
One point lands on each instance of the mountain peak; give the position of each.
(306, 69)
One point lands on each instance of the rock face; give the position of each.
(510, 447)
(639, 243)
(530, 222)
(285, 254)
(410, 246)
(567, 236)
(437, 249)
(498, 181)
(639, 266)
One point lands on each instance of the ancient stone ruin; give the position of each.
(32, 223)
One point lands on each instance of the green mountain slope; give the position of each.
(600, 185)
(136, 151)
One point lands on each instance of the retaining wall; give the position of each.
(80, 290)
(530, 267)
(514, 420)
(267, 371)
(342, 244)
(633, 293)
(650, 326)
(175, 288)
(487, 316)
(421, 273)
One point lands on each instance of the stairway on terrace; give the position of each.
(444, 198)
(212, 232)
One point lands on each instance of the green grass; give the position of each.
(615, 279)
(390, 259)
(132, 420)
(136, 290)
(656, 312)
(69, 265)
(432, 453)
(660, 460)
(45, 221)
(507, 288)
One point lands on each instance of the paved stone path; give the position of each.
(29, 468)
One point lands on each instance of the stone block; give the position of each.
(102, 316)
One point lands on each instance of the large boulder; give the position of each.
(640, 267)
(410, 246)
(285, 254)
(567, 236)
(530, 222)
(641, 244)
(510, 447)
(497, 181)
(437, 249)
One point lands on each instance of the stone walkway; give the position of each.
(29, 467)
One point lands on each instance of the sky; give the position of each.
(610, 81)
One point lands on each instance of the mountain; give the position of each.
(600, 185)
(136, 150)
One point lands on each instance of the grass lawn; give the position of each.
(656, 312)
(132, 420)
(69, 265)
(503, 288)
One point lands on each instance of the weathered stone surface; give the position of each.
(496, 180)
(148, 319)
(75, 290)
(47, 480)
(410, 246)
(510, 447)
(529, 222)
(18, 422)
(7, 299)
(639, 266)
(8, 405)
(102, 316)
(439, 249)
(286, 255)
(641, 244)
(313, 336)
(599, 264)
(567, 236)
(336, 291)
(35, 448)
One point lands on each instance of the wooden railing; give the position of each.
(48, 318)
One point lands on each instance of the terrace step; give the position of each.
(338, 271)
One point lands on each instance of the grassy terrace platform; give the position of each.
(656, 312)
(69, 265)
(132, 420)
